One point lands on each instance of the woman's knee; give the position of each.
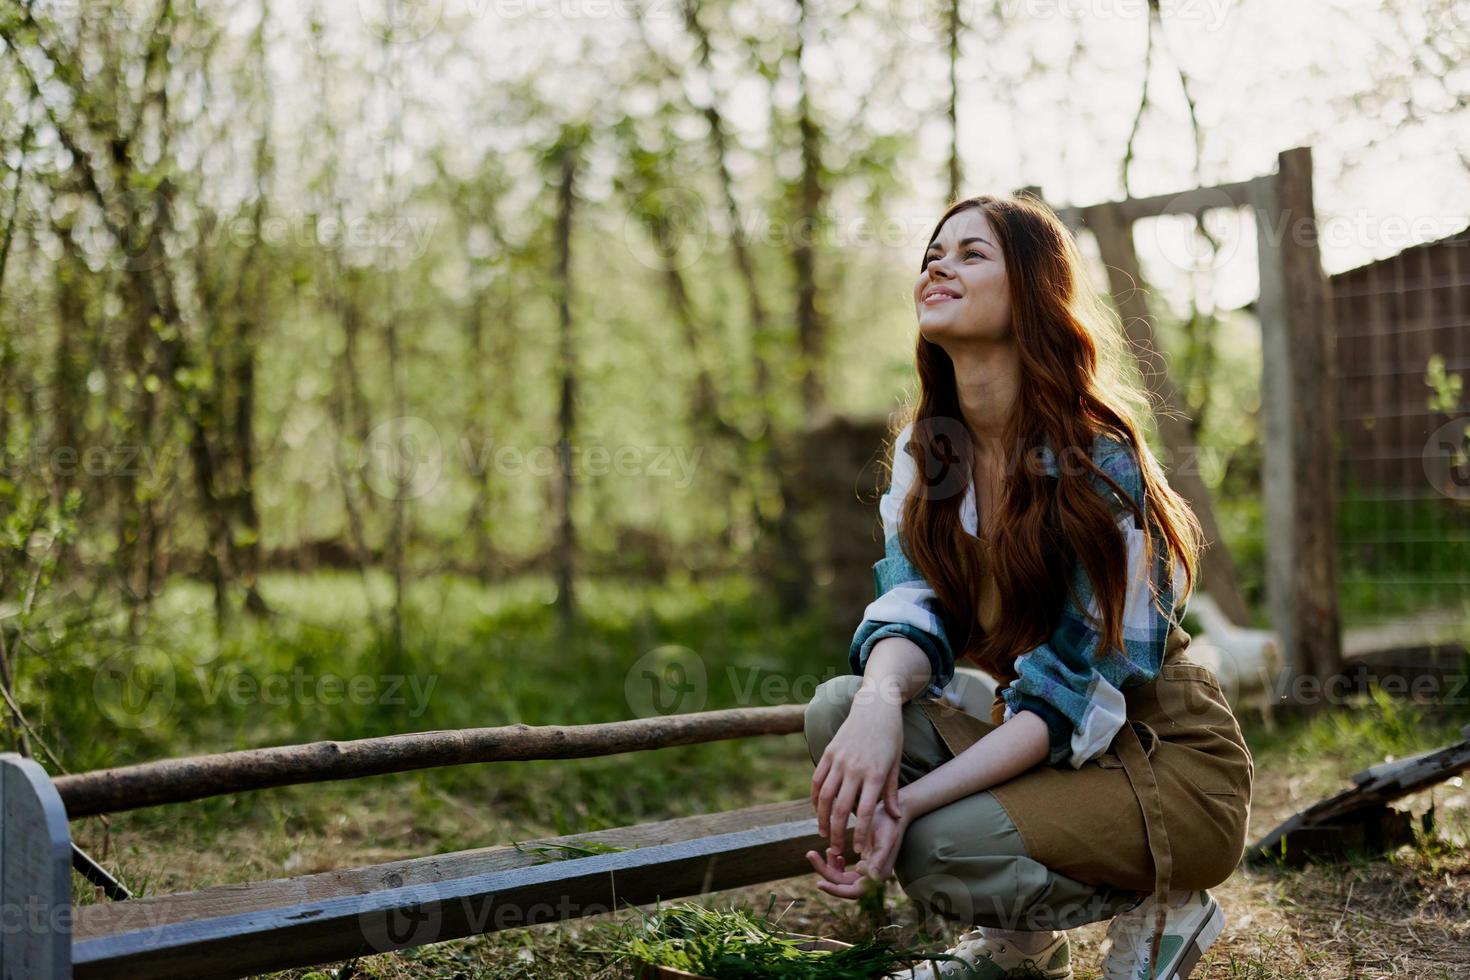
(965, 863)
(827, 710)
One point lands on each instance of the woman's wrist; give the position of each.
(886, 690)
(913, 800)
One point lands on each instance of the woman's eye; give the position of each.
(972, 254)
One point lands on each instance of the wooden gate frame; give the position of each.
(1299, 478)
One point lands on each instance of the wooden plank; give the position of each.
(108, 918)
(1299, 464)
(35, 874)
(162, 939)
(1236, 194)
(1376, 788)
(178, 780)
(1193, 201)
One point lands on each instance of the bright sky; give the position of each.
(1266, 75)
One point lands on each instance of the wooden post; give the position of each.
(1300, 464)
(35, 874)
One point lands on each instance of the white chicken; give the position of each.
(1245, 660)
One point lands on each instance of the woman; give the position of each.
(1111, 780)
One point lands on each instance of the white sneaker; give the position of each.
(981, 958)
(1189, 929)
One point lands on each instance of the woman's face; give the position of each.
(962, 293)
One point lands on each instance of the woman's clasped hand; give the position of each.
(858, 775)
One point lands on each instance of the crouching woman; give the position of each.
(1027, 526)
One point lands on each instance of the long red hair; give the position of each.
(1077, 381)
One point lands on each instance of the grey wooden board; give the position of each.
(425, 901)
(104, 919)
(35, 874)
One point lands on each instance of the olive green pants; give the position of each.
(966, 861)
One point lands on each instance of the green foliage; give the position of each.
(1444, 388)
(316, 669)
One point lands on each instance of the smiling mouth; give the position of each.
(934, 298)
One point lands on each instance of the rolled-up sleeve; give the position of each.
(1069, 681)
(904, 604)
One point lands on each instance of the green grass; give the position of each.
(474, 657)
(736, 944)
(1374, 728)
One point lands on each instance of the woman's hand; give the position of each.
(859, 769)
(885, 837)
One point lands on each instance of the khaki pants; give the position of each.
(967, 861)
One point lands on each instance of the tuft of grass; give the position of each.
(735, 944)
(563, 852)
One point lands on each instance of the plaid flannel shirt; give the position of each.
(1075, 687)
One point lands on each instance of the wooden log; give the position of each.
(178, 780)
(236, 930)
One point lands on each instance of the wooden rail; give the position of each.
(180, 780)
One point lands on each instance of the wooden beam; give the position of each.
(333, 916)
(1237, 194)
(1297, 404)
(178, 780)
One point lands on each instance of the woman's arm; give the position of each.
(898, 669)
(904, 604)
(1006, 751)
